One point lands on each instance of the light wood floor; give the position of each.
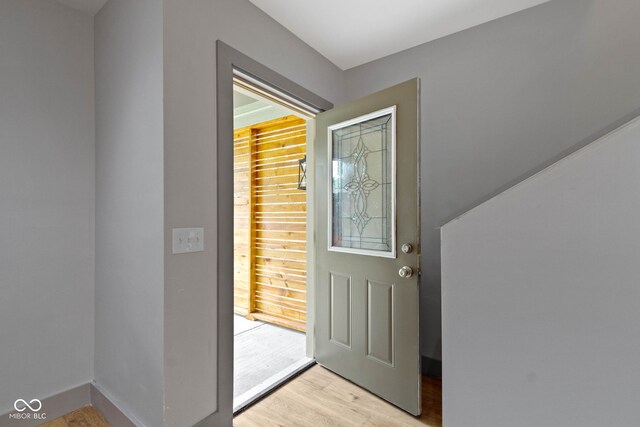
(83, 417)
(318, 397)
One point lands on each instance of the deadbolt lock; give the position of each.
(407, 248)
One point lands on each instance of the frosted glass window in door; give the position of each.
(362, 213)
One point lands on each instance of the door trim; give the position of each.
(228, 60)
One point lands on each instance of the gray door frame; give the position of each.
(228, 62)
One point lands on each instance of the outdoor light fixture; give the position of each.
(302, 173)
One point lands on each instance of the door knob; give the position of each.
(406, 272)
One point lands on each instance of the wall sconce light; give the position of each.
(302, 173)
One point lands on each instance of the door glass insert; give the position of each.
(362, 211)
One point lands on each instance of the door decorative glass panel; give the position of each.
(362, 183)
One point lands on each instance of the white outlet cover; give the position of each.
(187, 240)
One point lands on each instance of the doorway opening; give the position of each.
(270, 242)
(233, 65)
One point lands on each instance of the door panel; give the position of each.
(340, 309)
(380, 322)
(366, 206)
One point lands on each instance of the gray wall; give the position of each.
(129, 206)
(46, 199)
(540, 297)
(503, 98)
(191, 29)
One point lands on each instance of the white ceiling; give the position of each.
(353, 32)
(249, 109)
(240, 99)
(88, 6)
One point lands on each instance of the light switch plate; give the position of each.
(186, 240)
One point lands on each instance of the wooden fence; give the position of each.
(270, 222)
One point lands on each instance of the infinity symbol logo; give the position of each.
(34, 402)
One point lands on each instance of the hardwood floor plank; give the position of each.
(83, 417)
(319, 397)
(76, 419)
(93, 418)
(58, 422)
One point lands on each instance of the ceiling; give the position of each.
(249, 109)
(240, 99)
(88, 6)
(353, 32)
